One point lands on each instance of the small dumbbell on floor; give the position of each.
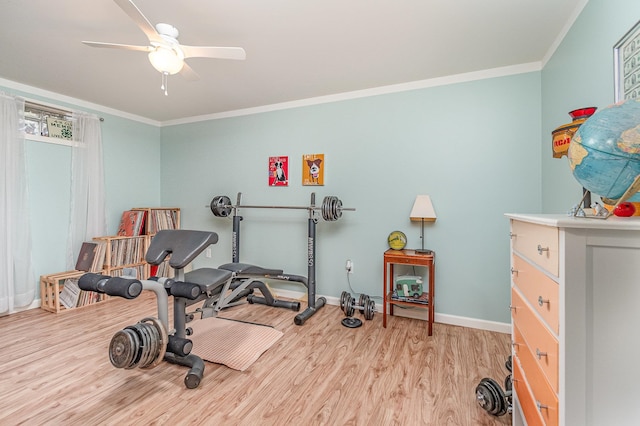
(365, 305)
(492, 398)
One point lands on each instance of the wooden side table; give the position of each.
(407, 257)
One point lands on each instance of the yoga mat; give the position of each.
(235, 344)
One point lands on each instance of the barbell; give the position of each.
(330, 210)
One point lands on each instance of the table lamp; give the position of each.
(423, 211)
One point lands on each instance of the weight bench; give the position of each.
(149, 341)
(251, 275)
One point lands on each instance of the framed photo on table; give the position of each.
(626, 64)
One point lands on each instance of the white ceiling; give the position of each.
(296, 49)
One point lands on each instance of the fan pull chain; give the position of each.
(165, 85)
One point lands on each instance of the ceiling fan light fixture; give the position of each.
(166, 60)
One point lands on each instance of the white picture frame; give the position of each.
(626, 63)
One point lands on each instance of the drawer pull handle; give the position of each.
(540, 354)
(515, 344)
(511, 307)
(541, 301)
(541, 249)
(511, 235)
(514, 271)
(541, 406)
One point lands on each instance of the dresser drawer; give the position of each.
(525, 397)
(540, 290)
(545, 398)
(542, 344)
(538, 243)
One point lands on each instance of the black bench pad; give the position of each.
(208, 278)
(248, 269)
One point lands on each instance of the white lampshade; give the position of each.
(166, 60)
(423, 209)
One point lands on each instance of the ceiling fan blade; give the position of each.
(118, 46)
(188, 73)
(213, 52)
(141, 21)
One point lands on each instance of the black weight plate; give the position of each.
(343, 299)
(144, 344)
(338, 209)
(369, 309)
(163, 339)
(154, 340)
(325, 207)
(149, 352)
(349, 307)
(334, 208)
(508, 383)
(140, 345)
(362, 301)
(154, 344)
(221, 206)
(508, 364)
(485, 397)
(351, 322)
(136, 346)
(121, 349)
(332, 202)
(501, 403)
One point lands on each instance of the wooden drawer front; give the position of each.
(538, 243)
(525, 397)
(545, 398)
(542, 344)
(540, 290)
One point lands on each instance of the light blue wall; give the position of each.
(473, 147)
(480, 149)
(580, 74)
(132, 178)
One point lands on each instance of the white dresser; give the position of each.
(575, 312)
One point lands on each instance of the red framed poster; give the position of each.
(279, 171)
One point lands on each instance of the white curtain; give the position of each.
(87, 218)
(17, 279)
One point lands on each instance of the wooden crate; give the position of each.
(51, 285)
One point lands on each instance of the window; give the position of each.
(41, 121)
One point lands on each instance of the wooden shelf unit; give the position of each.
(125, 252)
(128, 252)
(51, 286)
(121, 252)
(160, 218)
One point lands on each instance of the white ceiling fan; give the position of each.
(166, 54)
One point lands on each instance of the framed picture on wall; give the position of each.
(278, 171)
(313, 169)
(626, 64)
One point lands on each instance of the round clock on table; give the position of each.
(397, 240)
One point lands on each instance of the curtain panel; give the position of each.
(87, 216)
(17, 280)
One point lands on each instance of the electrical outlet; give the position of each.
(207, 253)
(349, 266)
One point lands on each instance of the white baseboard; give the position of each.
(417, 313)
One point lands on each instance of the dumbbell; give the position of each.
(365, 305)
(492, 398)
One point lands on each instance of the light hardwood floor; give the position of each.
(55, 369)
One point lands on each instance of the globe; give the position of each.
(604, 154)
